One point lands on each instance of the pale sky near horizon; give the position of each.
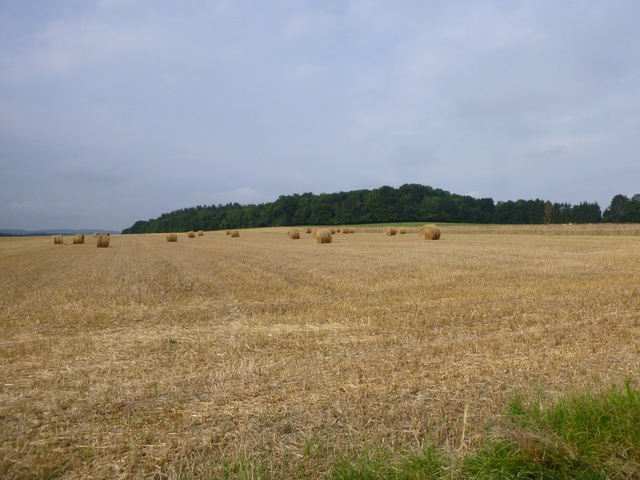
(113, 111)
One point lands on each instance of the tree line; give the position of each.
(408, 203)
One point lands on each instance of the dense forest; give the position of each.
(408, 203)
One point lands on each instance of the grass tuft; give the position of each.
(580, 436)
(424, 464)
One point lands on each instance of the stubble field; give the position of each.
(218, 356)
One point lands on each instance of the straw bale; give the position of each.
(389, 231)
(323, 235)
(78, 239)
(191, 235)
(172, 237)
(307, 230)
(200, 233)
(102, 241)
(235, 234)
(293, 234)
(402, 230)
(58, 240)
(430, 232)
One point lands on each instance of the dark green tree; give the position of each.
(548, 212)
(632, 209)
(586, 212)
(409, 203)
(615, 212)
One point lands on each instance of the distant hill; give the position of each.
(52, 231)
(408, 203)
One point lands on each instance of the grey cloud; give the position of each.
(160, 106)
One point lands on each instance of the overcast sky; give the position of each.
(114, 111)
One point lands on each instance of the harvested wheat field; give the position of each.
(263, 357)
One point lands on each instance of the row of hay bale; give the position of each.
(321, 235)
(426, 232)
(173, 237)
(333, 230)
(102, 240)
(324, 235)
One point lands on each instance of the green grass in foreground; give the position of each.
(581, 436)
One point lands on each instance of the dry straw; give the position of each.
(323, 235)
(430, 232)
(58, 240)
(191, 235)
(200, 233)
(307, 230)
(235, 233)
(228, 232)
(172, 237)
(402, 230)
(293, 234)
(390, 231)
(102, 241)
(78, 239)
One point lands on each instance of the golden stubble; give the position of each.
(150, 356)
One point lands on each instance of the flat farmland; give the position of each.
(262, 355)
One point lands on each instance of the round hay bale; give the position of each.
(58, 240)
(430, 232)
(235, 234)
(402, 231)
(323, 235)
(333, 231)
(78, 239)
(102, 241)
(293, 234)
(191, 235)
(172, 237)
(389, 231)
(228, 232)
(200, 233)
(307, 230)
